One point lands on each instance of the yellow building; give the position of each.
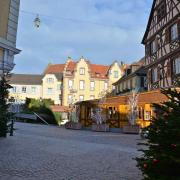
(67, 83)
(9, 12)
(84, 81)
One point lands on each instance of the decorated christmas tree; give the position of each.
(4, 114)
(161, 155)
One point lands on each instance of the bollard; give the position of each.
(11, 128)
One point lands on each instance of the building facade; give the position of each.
(85, 81)
(67, 83)
(134, 79)
(25, 86)
(162, 44)
(9, 12)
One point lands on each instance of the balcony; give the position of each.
(175, 44)
(72, 91)
(6, 66)
(155, 85)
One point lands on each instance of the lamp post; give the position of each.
(37, 21)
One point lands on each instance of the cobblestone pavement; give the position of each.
(38, 152)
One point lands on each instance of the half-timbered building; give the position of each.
(162, 44)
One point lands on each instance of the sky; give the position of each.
(101, 31)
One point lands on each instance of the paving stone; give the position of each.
(38, 152)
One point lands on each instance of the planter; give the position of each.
(131, 129)
(100, 127)
(73, 125)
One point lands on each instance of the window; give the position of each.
(70, 100)
(82, 71)
(59, 87)
(23, 89)
(174, 32)
(50, 80)
(147, 115)
(14, 90)
(92, 85)
(161, 10)
(33, 89)
(105, 85)
(177, 65)
(81, 85)
(70, 84)
(142, 82)
(153, 47)
(81, 98)
(116, 74)
(154, 75)
(50, 90)
(92, 97)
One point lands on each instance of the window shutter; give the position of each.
(158, 73)
(167, 35)
(169, 69)
(178, 28)
(150, 76)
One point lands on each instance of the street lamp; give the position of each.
(37, 21)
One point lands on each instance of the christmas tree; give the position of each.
(4, 114)
(161, 157)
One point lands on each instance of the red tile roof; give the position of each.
(99, 71)
(54, 68)
(57, 108)
(96, 70)
(71, 66)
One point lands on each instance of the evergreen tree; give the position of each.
(161, 158)
(4, 114)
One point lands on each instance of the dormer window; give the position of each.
(82, 71)
(97, 74)
(161, 10)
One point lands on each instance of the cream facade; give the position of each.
(46, 86)
(20, 92)
(84, 81)
(51, 88)
(9, 12)
(67, 83)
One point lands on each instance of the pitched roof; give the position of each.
(139, 71)
(26, 79)
(54, 68)
(71, 66)
(99, 71)
(149, 22)
(96, 70)
(59, 76)
(58, 108)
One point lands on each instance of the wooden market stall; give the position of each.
(116, 109)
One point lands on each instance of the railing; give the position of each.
(6, 66)
(73, 91)
(155, 85)
(175, 44)
(40, 118)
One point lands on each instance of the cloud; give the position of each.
(101, 30)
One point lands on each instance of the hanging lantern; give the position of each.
(37, 21)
